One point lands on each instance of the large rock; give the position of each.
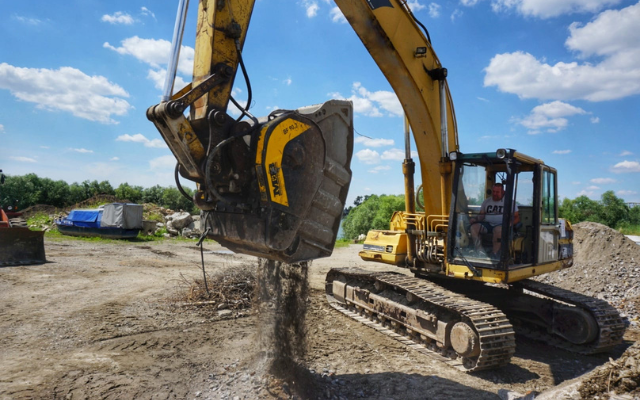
(149, 227)
(181, 220)
(195, 226)
(171, 229)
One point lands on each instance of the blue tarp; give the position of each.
(85, 218)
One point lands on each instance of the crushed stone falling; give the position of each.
(283, 290)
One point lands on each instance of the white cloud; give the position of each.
(521, 74)
(118, 18)
(593, 188)
(114, 159)
(594, 120)
(311, 8)
(1, 128)
(561, 151)
(337, 16)
(456, 14)
(602, 181)
(370, 103)
(415, 5)
(469, 3)
(611, 33)
(146, 11)
(626, 192)
(27, 20)
(488, 137)
(66, 89)
(396, 155)
(434, 10)
(380, 168)
(589, 193)
(156, 53)
(158, 77)
(140, 138)
(164, 162)
(626, 166)
(625, 153)
(23, 159)
(550, 8)
(576, 183)
(287, 81)
(611, 37)
(81, 150)
(482, 99)
(45, 147)
(368, 156)
(374, 142)
(549, 116)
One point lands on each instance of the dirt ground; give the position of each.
(101, 321)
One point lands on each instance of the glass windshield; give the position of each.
(480, 212)
(468, 229)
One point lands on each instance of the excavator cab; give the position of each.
(528, 237)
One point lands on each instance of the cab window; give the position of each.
(549, 216)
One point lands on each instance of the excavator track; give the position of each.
(496, 337)
(611, 326)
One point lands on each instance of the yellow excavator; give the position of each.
(275, 187)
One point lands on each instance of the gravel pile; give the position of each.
(621, 376)
(606, 266)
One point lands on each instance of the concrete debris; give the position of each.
(505, 394)
(615, 378)
(180, 220)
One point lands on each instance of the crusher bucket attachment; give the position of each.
(18, 245)
(299, 170)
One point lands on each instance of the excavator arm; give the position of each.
(273, 187)
(404, 54)
(276, 186)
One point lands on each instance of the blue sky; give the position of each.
(558, 80)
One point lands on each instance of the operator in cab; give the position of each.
(490, 218)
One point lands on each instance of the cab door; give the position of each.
(549, 232)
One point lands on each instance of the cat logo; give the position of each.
(275, 180)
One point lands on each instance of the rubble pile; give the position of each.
(615, 377)
(233, 289)
(182, 224)
(606, 266)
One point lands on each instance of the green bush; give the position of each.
(373, 213)
(610, 210)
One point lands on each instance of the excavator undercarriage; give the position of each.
(467, 334)
(471, 325)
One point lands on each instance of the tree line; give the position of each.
(28, 190)
(374, 212)
(610, 210)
